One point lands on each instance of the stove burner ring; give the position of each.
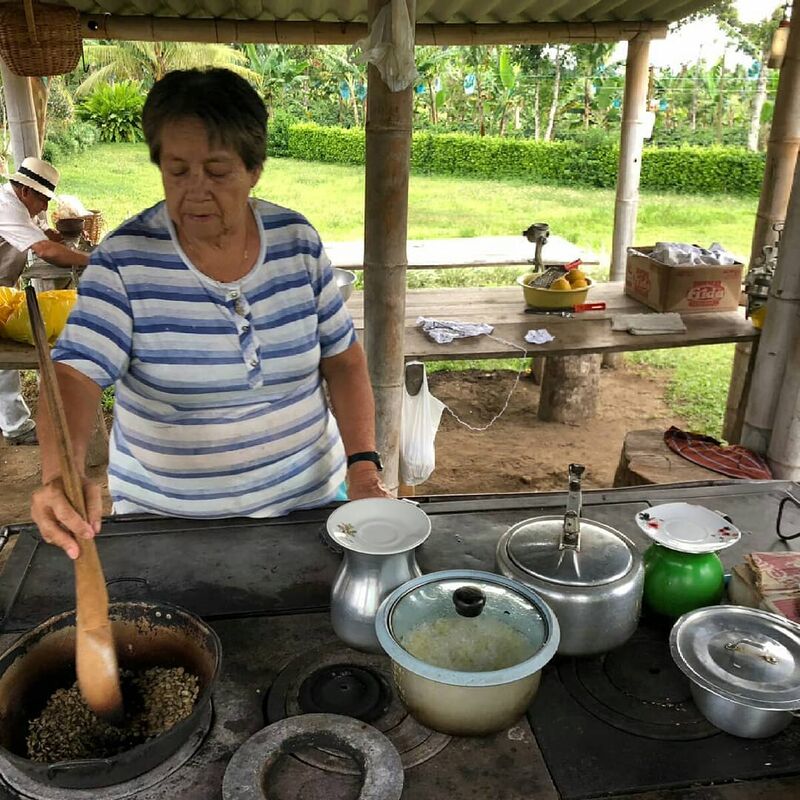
(28, 789)
(246, 776)
(345, 689)
(637, 689)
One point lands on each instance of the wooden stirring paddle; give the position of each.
(96, 657)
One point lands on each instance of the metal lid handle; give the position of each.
(571, 537)
(469, 601)
(742, 645)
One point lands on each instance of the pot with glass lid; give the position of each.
(467, 649)
(590, 574)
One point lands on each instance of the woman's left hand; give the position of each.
(363, 480)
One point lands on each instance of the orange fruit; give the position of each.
(575, 275)
(581, 284)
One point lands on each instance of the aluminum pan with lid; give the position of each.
(589, 573)
(467, 649)
(743, 665)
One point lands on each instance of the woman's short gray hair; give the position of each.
(231, 110)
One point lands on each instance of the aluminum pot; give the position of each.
(43, 660)
(467, 649)
(378, 537)
(590, 574)
(743, 666)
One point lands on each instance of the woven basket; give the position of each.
(94, 227)
(50, 46)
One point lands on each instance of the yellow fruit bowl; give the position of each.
(552, 298)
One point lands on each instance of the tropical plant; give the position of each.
(148, 62)
(116, 111)
(278, 69)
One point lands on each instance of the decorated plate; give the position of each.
(379, 526)
(688, 528)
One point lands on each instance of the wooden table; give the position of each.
(584, 333)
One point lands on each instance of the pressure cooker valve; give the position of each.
(469, 601)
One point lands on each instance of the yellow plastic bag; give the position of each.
(55, 306)
(9, 299)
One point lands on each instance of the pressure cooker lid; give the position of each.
(742, 654)
(603, 555)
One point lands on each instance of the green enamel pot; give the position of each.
(675, 583)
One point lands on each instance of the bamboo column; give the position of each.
(388, 159)
(784, 442)
(21, 115)
(782, 150)
(631, 145)
(630, 153)
(779, 339)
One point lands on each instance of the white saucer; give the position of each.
(688, 528)
(379, 526)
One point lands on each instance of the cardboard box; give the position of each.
(687, 290)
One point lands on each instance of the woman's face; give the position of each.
(206, 188)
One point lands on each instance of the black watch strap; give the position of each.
(370, 455)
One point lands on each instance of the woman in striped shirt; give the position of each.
(217, 318)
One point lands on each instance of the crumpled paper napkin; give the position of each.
(444, 331)
(539, 336)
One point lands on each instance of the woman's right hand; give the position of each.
(59, 523)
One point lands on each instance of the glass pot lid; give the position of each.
(742, 654)
(467, 627)
(534, 547)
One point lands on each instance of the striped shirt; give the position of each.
(220, 409)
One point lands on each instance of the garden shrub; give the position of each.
(695, 170)
(68, 139)
(116, 111)
(278, 132)
(60, 106)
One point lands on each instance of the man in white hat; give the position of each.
(22, 199)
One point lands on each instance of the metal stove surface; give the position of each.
(264, 651)
(265, 584)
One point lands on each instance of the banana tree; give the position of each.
(278, 69)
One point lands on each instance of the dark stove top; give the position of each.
(618, 724)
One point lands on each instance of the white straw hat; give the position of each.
(37, 175)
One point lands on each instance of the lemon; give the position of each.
(581, 284)
(560, 284)
(575, 275)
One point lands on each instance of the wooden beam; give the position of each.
(388, 156)
(179, 29)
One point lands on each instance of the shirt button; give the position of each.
(253, 362)
(233, 294)
(245, 327)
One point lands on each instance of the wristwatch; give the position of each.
(370, 455)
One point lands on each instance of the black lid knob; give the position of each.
(469, 601)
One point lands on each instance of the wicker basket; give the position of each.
(94, 227)
(52, 46)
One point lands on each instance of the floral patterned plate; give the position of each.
(688, 528)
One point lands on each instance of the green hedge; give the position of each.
(690, 170)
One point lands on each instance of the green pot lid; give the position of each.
(603, 555)
(743, 654)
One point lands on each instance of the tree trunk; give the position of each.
(587, 103)
(41, 92)
(434, 119)
(518, 116)
(478, 91)
(570, 388)
(536, 122)
(758, 105)
(720, 100)
(694, 107)
(551, 120)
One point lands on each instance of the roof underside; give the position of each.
(428, 11)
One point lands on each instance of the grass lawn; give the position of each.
(119, 180)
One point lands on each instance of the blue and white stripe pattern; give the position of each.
(220, 409)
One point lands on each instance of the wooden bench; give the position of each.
(646, 459)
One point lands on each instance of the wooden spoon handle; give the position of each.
(96, 657)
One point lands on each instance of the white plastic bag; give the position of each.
(390, 46)
(421, 414)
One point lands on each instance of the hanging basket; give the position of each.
(38, 39)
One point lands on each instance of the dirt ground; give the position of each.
(518, 453)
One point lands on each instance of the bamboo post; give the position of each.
(21, 115)
(772, 382)
(637, 67)
(782, 150)
(388, 159)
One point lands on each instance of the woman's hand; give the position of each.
(363, 480)
(59, 523)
